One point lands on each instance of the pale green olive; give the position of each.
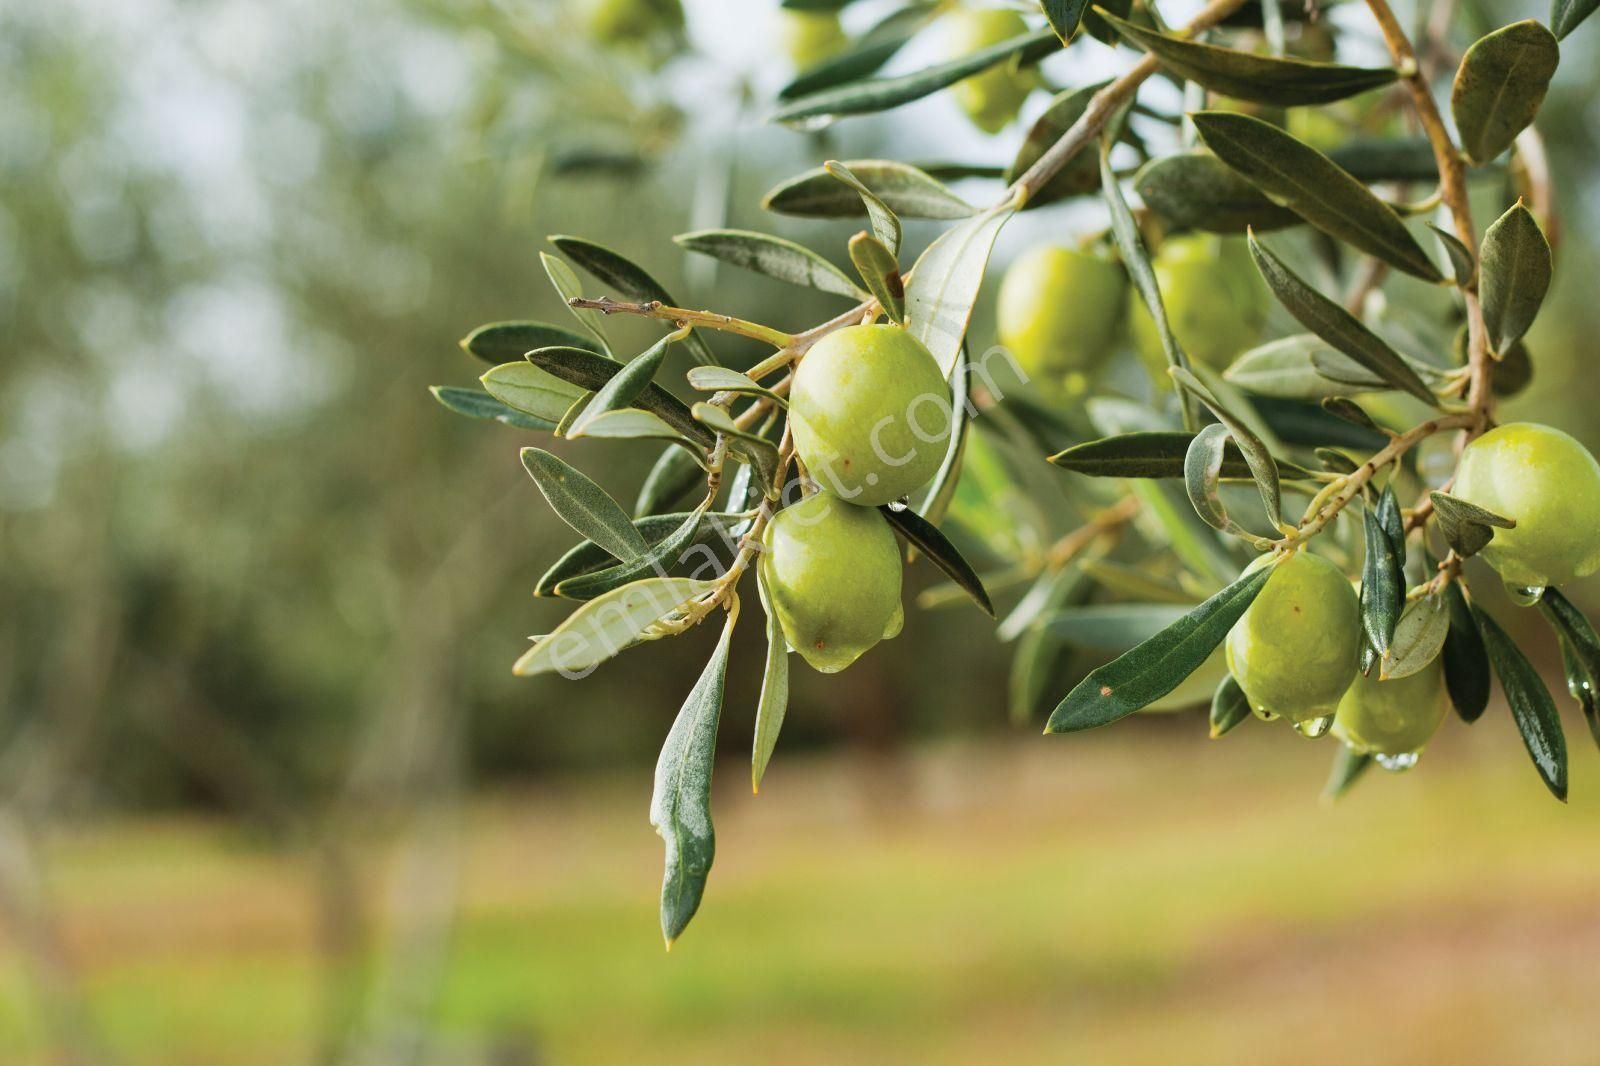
(991, 98)
(1394, 717)
(870, 412)
(1295, 650)
(1215, 301)
(627, 21)
(1060, 311)
(832, 571)
(811, 37)
(1549, 484)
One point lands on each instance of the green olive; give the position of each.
(1295, 650)
(870, 413)
(1216, 303)
(1549, 484)
(811, 37)
(628, 21)
(1394, 717)
(991, 98)
(1060, 311)
(832, 571)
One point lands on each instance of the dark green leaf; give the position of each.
(1262, 466)
(1082, 174)
(1466, 662)
(624, 387)
(1392, 521)
(774, 689)
(475, 403)
(1152, 454)
(1297, 423)
(1349, 410)
(879, 269)
(1466, 527)
(1064, 16)
(1407, 159)
(1337, 326)
(1196, 190)
(1516, 276)
(507, 342)
(1297, 176)
(1336, 462)
(1461, 258)
(1229, 707)
(1531, 705)
(680, 807)
(926, 538)
(1566, 14)
(657, 561)
(944, 283)
(772, 256)
(1580, 654)
(1202, 469)
(671, 478)
(885, 224)
(589, 371)
(583, 505)
(883, 94)
(907, 191)
(632, 281)
(1348, 766)
(1501, 83)
(569, 288)
(1156, 667)
(864, 56)
(586, 556)
(1383, 585)
(1246, 76)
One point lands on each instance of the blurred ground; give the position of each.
(1134, 896)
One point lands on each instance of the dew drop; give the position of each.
(1397, 764)
(1313, 728)
(1525, 595)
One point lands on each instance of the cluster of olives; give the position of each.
(1063, 311)
(1295, 651)
(869, 412)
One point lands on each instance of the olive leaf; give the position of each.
(629, 424)
(1418, 638)
(1383, 584)
(627, 278)
(623, 388)
(907, 191)
(1500, 85)
(1202, 468)
(586, 557)
(1297, 176)
(722, 379)
(1245, 76)
(1580, 654)
(1303, 366)
(1565, 15)
(881, 271)
(1082, 174)
(1262, 466)
(936, 498)
(680, 806)
(569, 288)
(1154, 454)
(1516, 275)
(507, 342)
(658, 560)
(753, 448)
(583, 505)
(864, 56)
(1392, 521)
(944, 283)
(926, 538)
(1348, 766)
(477, 404)
(1535, 712)
(591, 372)
(1462, 260)
(774, 700)
(1350, 411)
(1064, 16)
(772, 256)
(883, 94)
(530, 390)
(1338, 327)
(1387, 159)
(674, 473)
(1140, 677)
(1196, 190)
(608, 625)
(1229, 707)
(1297, 422)
(885, 224)
(1466, 661)
(1466, 527)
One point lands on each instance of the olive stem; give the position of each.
(684, 317)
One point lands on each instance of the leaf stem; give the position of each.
(684, 317)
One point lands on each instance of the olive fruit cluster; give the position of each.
(869, 412)
(1062, 311)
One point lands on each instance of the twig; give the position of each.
(684, 317)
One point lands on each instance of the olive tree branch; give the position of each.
(685, 317)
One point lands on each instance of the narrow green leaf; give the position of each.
(751, 447)
(885, 224)
(625, 386)
(475, 403)
(1418, 639)
(608, 625)
(1156, 667)
(1337, 326)
(1202, 468)
(673, 475)
(863, 56)
(1153, 454)
(1302, 366)
(586, 557)
(944, 283)
(1350, 411)
(881, 271)
(774, 689)
(1348, 766)
(530, 390)
(630, 280)
(1064, 16)
(1466, 661)
(1082, 174)
(568, 287)
(1462, 261)
(1246, 76)
(1262, 466)
(508, 342)
(1580, 654)
(630, 424)
(583, 505)
(1500, 86)
(1392, 521)
(905, 190)
(657, 561)
(591, 372)
(1535, 712)
(1383, 585)
(1516, 275)
(1387, 159)
(772, 256)
(680, 807)
(1565, 15)
(1297, 176)
(721, 379)
(941, 490)
(926, 538)
(1229, 707)
(1196, 190)
(883, 94)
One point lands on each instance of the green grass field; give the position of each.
(1140, 895)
